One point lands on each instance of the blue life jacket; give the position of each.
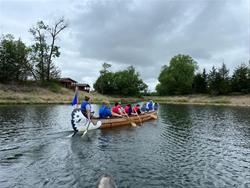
(104, 112)
(83, 107)
(150, 106)
(155, 106)
(144, 108)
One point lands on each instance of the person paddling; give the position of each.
(118, 109)
(105, 112)
(144, 108)
(150, 105)
(86, 107)
(128, 109)
(156, 106)
(137, 109)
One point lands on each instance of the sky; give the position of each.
(142, 33)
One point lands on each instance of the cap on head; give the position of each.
(106, 102)
(87, 98)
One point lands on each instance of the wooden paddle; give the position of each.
(138, 116)
(85, 132)
(132, 123)
(153, 116)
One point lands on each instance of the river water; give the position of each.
(188, 146)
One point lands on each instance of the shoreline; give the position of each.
(35, 95)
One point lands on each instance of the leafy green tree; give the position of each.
(240, 79)
(200, 82)
(14, 64)
(44, 50)
(125, 82)
(177, 78)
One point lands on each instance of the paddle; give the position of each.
(138, 116)
(153, 116)
(132, 123)
(85, 132)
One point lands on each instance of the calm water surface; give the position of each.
(188, 146)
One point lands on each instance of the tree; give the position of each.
(224, 80)
(240, 79)
(177, 78)
(125, 82)
(219, 81)
(14, 65)
(200, 82)
(43, 52)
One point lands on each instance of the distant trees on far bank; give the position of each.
(126, 82)
(18, 61)
(179, 78)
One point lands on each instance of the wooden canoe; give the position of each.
(80, 123)
(116, 122)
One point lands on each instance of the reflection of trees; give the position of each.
(176, 115)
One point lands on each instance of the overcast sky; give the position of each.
(142, 33)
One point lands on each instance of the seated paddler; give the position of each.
(137, 109)
(117, 109)
(128, 109)
(86, 107)
(105, 111)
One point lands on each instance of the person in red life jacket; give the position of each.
(128, 110)
(137, 109)
(118, 109)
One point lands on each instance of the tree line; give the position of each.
(18, 62)
(180, 77)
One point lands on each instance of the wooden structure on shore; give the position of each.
(71, 84)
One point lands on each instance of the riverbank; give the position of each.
(233, 100)
(33, 94)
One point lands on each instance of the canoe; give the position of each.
(80, 123)
(117, 122)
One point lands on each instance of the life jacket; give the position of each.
(127, 109)
(155, 106)
(83, 108)
(150, 106)
(136, 108)
(104, 112)
(115, 109)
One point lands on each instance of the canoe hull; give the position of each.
(117, 122)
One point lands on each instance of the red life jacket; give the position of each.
(136, 108)
(115, 109)
(127, 109)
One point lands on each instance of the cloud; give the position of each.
(145, 34)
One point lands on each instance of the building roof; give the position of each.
(82, 85)
(67, 80)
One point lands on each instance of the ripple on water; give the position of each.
(189, 146)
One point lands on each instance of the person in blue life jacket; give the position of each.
(150, 105)
(144, 107)
(105, 111)
(156, 106)
(86, 108)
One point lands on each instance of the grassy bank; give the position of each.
(239, 100)
(54, 94)
(48, 94)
